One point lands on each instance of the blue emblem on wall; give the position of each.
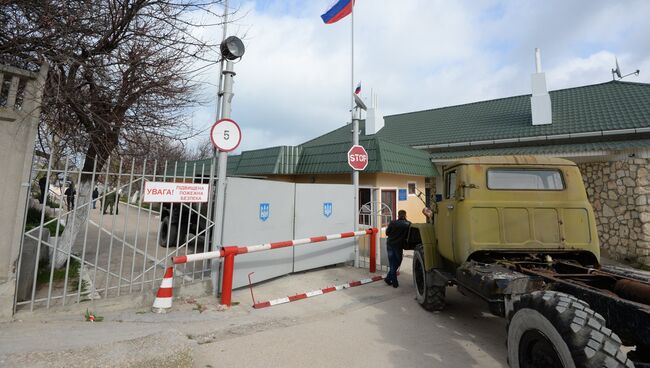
(264, 211)
(327, 209)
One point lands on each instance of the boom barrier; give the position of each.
(229, 253)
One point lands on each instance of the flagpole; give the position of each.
(355, 141)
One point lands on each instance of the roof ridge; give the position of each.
(324, 134)
(628, 82)
(516, 96)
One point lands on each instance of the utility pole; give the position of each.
(222, 161)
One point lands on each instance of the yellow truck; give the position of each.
(520, 233)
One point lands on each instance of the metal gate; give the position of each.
(77, 247)
(374, 214)
(261, 211)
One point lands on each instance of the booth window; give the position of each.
(411, 188)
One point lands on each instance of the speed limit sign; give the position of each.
(225, 135)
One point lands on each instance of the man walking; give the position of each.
(397, 232)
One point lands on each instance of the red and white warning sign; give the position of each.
(155, 191)
(358, 158)
(225, 135)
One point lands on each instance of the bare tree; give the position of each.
(121, 73)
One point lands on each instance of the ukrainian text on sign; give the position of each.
(175, 192)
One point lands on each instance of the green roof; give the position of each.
(327, 156)
(554, 149)
(324, 156)
(274, 160)
(608, 106)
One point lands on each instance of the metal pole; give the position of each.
(214, 266)
(218, 213)
(355, 141)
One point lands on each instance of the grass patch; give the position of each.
(34, 220)
(43, 275)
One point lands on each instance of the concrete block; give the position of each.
(28, 263)
(7, 290)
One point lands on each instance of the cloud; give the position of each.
(294, 81)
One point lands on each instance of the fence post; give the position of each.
(228, 269)
(373, 250)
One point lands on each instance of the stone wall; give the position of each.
(620, 194)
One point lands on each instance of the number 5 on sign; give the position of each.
(225, 135)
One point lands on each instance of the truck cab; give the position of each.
(515, 204)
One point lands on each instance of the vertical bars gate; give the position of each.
(112, 253)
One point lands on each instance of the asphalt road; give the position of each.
(370, 326)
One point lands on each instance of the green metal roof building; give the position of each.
(590, 121)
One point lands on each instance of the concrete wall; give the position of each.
(18, 126)
(620, 194)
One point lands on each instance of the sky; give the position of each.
(294, 81)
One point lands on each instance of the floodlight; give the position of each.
(232, 48)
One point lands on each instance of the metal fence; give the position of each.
(77, 247)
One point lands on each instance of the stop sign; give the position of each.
(357, 158)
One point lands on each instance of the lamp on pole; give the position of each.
(232, 48)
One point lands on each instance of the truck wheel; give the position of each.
(550, 329)
(167, 231)
(430, 297)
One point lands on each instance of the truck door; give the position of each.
(447, 215)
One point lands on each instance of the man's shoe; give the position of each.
(388, 282)
(395, 284)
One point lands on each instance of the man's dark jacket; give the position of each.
(397, 232)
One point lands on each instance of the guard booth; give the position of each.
(262, 211)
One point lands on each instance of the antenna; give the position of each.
(617, 72)
(359, 102)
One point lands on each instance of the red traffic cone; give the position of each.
(163, 302)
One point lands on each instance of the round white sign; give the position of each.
(225, 135)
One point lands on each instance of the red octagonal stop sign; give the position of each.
(357, 158)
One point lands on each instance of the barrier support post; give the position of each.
(373, 250)
(228, 269)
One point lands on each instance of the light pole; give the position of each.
(356, 116)
(232, 48)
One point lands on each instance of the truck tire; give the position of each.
(550, 329)
(430, 297)
(167, 234)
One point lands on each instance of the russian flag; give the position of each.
(339, 11)
(358, 89)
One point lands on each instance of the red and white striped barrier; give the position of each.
(229, 254)
(163, 301)
(310, 294)
(267, 246)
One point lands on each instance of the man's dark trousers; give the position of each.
(395, 256)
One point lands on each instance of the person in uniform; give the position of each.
(109, 201)
(397, 232)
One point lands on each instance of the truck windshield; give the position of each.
(526, 179)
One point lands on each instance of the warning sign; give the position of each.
(175, 192)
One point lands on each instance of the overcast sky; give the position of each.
(293, 83)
